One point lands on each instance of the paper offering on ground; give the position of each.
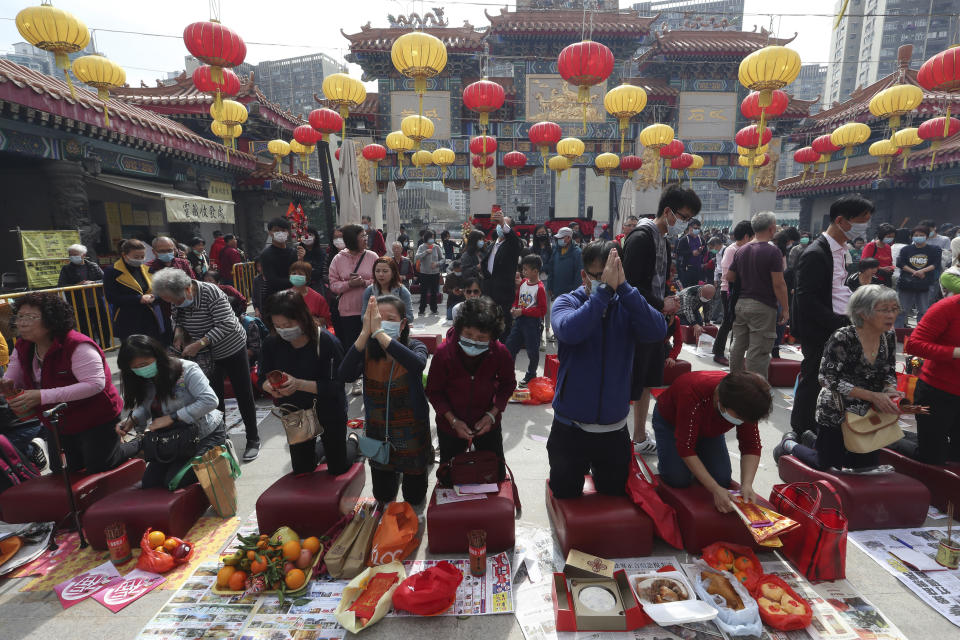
(935, 514)
(446, 496)
(81, 587)
(134, 585)
(235, 421)
(939, 589)
(469, 489)
(476, 596)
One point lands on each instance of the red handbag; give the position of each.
(643, 492)
(818, 547)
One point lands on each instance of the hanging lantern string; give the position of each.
(214, 10)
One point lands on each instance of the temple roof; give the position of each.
(23, 86)
(370, 107)
(834, 182)
(370, 40)
(296, 183)
(674, 44)
(554, 21)
(655, 87)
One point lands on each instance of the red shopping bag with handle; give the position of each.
(644, 494)
(818, 547)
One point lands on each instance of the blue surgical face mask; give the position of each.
(298, 280)
(500, 231)
(166, 256)
(134, 262)
(677, 227)
(593, 284)
(804, 240)
(695, 232)
(76, 259)
(146, 371)
(887, 240)
(391, 328)
(430, 242)
(919, 240)
(186, 303)
(729, 418)
(480, 244)
(472, 348)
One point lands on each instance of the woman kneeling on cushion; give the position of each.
(690, 420)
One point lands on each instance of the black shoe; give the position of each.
(775, 353)
(252, 452)
(778, 450)
(721, 360)
(809, 439)
(526, 380)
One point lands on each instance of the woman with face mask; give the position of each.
(300, 275)
(309, 361)
(314, 255)
(198, 257)
(386, 281)
(187, 404)
(470, 258)
(881, 250)
(92, 314)
(391, 366)
(470, 382)
(127, 287)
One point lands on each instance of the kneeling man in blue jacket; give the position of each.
(596, 326)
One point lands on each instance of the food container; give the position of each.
(686, 609)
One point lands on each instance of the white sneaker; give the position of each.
(647, 447)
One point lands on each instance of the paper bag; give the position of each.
(348, 556)
(217, 471)
(355, 589)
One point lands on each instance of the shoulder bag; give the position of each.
(477, 467)
(379, 450)
(870, 432)
(177, 442)
(300, 425)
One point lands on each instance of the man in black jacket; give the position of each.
(646, 264)
(498, 266)
(820, 301)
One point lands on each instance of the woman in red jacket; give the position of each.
(470, 382)
(937, 340)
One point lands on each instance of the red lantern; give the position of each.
(750, 137)
(481, 162)
(766, 160)
(326, 121)
(751, 109)
(630, 164)
(805, 156)
(672, 150)
(513, 161)
(941, 72)
(545, 135)
(938, 130)
(585, 64)
(306, 135)
(484, 97)
(681, 162)
(229, 84)
(825, 147)
(373, 152)
(483, 144)
(216, 45)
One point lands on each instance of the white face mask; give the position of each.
(677, 227)
(857, 230)
(338, 243)
(289, 333)
(308, 240)
(280, 236)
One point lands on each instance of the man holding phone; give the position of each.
(498, 265)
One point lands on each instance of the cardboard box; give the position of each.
(583, 572)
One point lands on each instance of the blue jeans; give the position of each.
(526, 333)
(909, 300)
(674, 471)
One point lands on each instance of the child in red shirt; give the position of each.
(529, 309)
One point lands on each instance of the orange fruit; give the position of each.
(312, 544)
(295, 578)
(170, 544)
(160, 549)
(251, 555)
(224, 575)
(743, 563)
(291, 550)
(237, 581)
(741, 576)
(156, 538)
(258, 566)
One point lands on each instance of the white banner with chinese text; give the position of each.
(183, 209)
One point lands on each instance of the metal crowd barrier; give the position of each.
(90, 310)
(243, 275)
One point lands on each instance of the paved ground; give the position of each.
(39, 616)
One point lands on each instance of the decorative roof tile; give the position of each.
(370, 39)
(676, 43)
(834, 181)
(627, 23)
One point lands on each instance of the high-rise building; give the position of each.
(29, 56)
(292, 82)
(190, 64)
(458, 202)
(693, 15)
(863, 48)
(810, 85)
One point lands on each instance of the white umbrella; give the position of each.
(377, 211)
(393, 214)
(349, 184)
(625, 205)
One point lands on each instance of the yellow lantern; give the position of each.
(754, 162)
(824, 160)
(607, 161)
(398, 142)
(101, 74)
(623, 103)
(746, 151)
(848, 136)
(421, 159)
(229, 112)
(280, 149)
(56, 31)
(884, 150)
(905, 139)
(228, 134)
(343, 93)
(571, 149)
(304, 152)
(766, 69)
(695, 166)
(417, 128)
(443, 158)
(419, 55)
(656, 136)
(895, 101)
(559, 164)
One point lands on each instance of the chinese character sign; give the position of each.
(707, 115)
(198, 210)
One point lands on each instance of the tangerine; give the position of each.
(156, 538)
(251, 555)
(224, 575)
(237, 581)
(741, 576)
(291, 550)
(743, 563)
(170, 544)
(160, 549)
(312, 544)
(258, 566)
(725, 558)
(295, 578)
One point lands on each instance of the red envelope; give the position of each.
(118, 594)
(81, 587)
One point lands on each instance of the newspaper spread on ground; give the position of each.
(233, 419)
(476, 596)
(939, 589)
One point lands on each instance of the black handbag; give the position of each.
(177, 442)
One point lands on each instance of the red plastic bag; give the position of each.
(737, 559)
(541, 391)
(430, 592)
(782, 619)
(159, 562)
(644, 494)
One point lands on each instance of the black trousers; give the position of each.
(159, 474)
(429, 291)
(451, 445)
(939, 431)
(830, 452)
(95, 450)
(803, 416)
(237, 368)
(573, 452)
(348, 330)
(720, 344)
(304, 455)
(386, 483)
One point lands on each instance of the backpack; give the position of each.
(260, 327)
(15, 469)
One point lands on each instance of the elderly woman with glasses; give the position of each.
(857, 373)
(204, 320)
(54, 363)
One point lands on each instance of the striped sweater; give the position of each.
(211, 316)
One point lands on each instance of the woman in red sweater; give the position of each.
(690, 420)
(937, 340)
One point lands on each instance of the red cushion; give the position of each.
(942, 482)
(700, 522)
(902, 333)
(711, 330)
(431, 342)
(310, 503)
(605, 526)
(448, 524)
(172, 512)
(783, 372)
(687, 332)
(44, 499)
(551, 367)
(673, 371)
(873, 501)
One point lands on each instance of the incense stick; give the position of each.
(950, 522)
